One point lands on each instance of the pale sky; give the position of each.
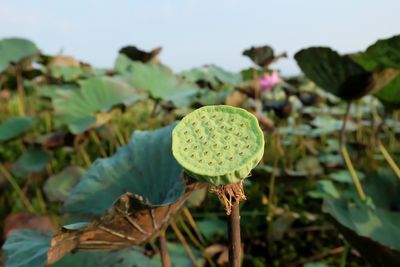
(193, 33)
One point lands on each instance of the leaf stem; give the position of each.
(192, 222)
(346, 156)
(343, 259)
(257, 92)
(195, 241)
(185, 245)
(154, 110)
(21, 92)
(162, 241)
(384, 151)
(389, 159)
(85, 156)
(17, 188)
(192, 238)
(120, 137)
(41, 202)
(98, 143)
(47, 121)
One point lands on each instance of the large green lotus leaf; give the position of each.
(384, 188)
(118, 258)
(51, 91)
(13, 50)
(214, 75)
(14, 127)
(27, 248)
(123, 64)
(337, 74)
(157, 80)
(372, 231)
(145, 166)
(384, 53)
(32, 160)
(58, 186)
(389, 95)
(88, 106)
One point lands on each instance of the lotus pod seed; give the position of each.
(214, 133)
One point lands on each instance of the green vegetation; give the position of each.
(112, 167)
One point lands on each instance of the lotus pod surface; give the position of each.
(218, 144)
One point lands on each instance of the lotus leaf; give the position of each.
(58, 186)
(89, 106)
(119, 258)
(384, 53)
(145, 167)
(33, 160)
(14, 127)
(13, 50)
(27, 248)
(337, 74)
(157, 80)
(372, 231)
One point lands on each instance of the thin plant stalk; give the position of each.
(195, 241)
(165, 258)
(184, 243)
(192, 222)
(384, 151)
(257, 92)
(21, 92)
(85, 156)
(343, 259)
(154, 112)
(47, 121)
(273, 176)
(119, 135)
(80, 147)
(192, 238)
(235, 249)
(389, 158)
(17, 189)
(41, 202)
(346, 156)
(271, 204)
(98, 143)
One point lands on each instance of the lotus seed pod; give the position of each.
(218, 144)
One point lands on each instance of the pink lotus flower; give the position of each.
(269, 80)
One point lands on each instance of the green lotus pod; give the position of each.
(218, 144)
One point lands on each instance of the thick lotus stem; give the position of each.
(235, 245)
(231, 195)
(346, 156)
